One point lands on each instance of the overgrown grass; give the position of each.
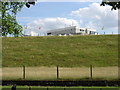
(65, 51)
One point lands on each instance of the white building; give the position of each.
(73, 30)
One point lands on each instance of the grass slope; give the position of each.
(65, 51)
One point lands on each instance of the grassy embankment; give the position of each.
(69, 51)
(73, 54)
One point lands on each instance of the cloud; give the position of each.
(43, 25)
(26, 19)
(92, 16)
(97, 16)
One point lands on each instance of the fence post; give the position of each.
(57, 72)
(91, 72)
(104, 33)
(24, 72)
(13, 87)
(29, 88)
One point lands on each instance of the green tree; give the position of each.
(8, 13)
(114, 3)
(9, 9)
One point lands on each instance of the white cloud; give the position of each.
(93, 16)
(43, 25)
(97, 16)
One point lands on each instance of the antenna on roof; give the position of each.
(103, 28)
(39, 28)
(72, 23)
(65, 25)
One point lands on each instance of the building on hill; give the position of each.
(73, 30)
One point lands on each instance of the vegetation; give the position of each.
(63, 88)
(65, 51)
(114, 3)
(8, 11)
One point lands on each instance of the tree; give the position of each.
(8, 12)
(114, 3)
(9, 9)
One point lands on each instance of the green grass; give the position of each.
(65, 51)
(60, 88)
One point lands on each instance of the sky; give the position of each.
(44, 16)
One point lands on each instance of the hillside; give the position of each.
(65, 51)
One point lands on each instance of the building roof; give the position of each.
(89, 29)
(61, 29)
